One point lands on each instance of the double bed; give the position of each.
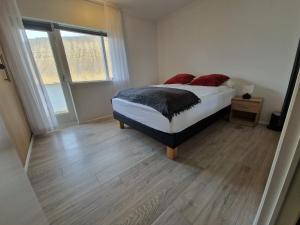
(215, 102)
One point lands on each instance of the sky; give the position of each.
(32, 34)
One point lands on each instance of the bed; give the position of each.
(215, 103)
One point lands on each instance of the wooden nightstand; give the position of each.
(246, 111)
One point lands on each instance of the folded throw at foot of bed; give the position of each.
(168, 101)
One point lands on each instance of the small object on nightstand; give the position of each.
(246, 111)
(246, 96)
(248, 91)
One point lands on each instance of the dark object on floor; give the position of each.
(246, 96)
(275, 122)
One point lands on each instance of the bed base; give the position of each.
(172, 141)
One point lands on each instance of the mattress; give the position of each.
(213, 99)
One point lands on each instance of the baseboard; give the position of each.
(98, 119)
(29, 154)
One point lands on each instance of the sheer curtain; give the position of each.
(117, 52)
(24, 71)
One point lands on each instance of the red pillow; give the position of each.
(210, 80)
(181, 78)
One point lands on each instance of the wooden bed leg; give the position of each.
(122, 125)
(171, 153)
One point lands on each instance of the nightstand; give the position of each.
(246, 111)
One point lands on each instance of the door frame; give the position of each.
(284, 165)
(69, 118)
(64, 74)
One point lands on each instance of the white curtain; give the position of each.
(20, 60)
(117, 52)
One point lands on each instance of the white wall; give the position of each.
(93, 100)
(77, 12)
(141, 44)
(18, 203)
(254, 40)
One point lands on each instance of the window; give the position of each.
(86, 55)
(64, 54)
(84, 51)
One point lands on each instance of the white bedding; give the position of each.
(213, 99)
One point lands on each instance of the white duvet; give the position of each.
(213, 99)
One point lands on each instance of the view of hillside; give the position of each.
(84, 55)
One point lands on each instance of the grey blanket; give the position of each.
(168, 101)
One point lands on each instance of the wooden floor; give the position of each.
(99, 174)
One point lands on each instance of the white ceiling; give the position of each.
(151, 9)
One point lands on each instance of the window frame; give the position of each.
(55, 28)
(33, 24)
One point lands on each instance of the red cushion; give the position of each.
(210, 80)
(182, 78)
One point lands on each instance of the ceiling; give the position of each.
(150, 9)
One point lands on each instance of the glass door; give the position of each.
(42, 44)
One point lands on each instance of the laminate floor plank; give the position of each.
(171, 217)
(104, 203)
(98, 174)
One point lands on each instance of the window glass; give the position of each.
(44, 59)
(85, 56)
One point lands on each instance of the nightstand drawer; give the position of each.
(245, 106)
